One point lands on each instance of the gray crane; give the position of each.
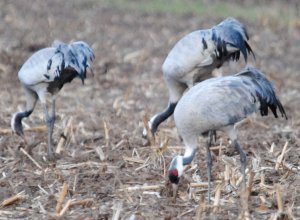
(195, 56)
(44, 74)
(218, 104)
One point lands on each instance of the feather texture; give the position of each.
(218, 104)
(48, 65)
(75, 55)
(46, 72)
(230, 37)
(196, 55)
(222, 101)
(263, 90)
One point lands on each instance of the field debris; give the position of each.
(13, 199)
(61, 197)
(106, 169)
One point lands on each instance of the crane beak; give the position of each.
(175, 189)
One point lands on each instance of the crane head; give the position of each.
(175, 172)
(174, 179)
(176, 169)
(173, 176)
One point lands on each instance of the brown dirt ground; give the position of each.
(130, 47)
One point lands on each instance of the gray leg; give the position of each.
(209, 162)
(232, 134)
(50, 120)
(243, 159)
(53, 117)
(212, 137)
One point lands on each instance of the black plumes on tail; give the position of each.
(263, 90)
(74, 56)
(231, 32)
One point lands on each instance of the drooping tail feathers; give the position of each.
(232, 33)
(263, 89)
(75, 55)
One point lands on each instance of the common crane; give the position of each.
(44, 74)
(218, 104)
(195, 56)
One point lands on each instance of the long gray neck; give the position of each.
(17, 121)
(187, 159)
(159, 118)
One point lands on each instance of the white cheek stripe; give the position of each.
(12, 122)
(179, 165)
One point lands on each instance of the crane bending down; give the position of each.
(44, 73)
(218, 104)
(195, 56)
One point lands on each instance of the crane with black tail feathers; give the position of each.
(195, 56)
(218, 104)
(46, 72)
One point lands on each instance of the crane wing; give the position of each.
(262, 88)
(75, 55)
(230, 37)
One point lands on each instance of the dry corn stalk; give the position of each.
(106, 132)
(217, 197)
(279, 199)
(13, 199)
(41, 128)
(83, 202)
(281, 156)
(137, 188)
(31, 158)
(61, 198)
(65, 208)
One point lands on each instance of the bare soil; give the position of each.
(104, 153)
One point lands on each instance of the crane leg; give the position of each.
(212, 136)
(243, 159)
(233, 137)
(50, 120)
(209, 162)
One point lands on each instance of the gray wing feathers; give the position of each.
(75, 55)
(263, 90)
(231, 33)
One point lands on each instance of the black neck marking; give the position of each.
(18, 121)
(163, 116)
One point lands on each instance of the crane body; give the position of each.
(218, 104)
(195, 56)
(44, 74)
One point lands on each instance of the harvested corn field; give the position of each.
(106, 169)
